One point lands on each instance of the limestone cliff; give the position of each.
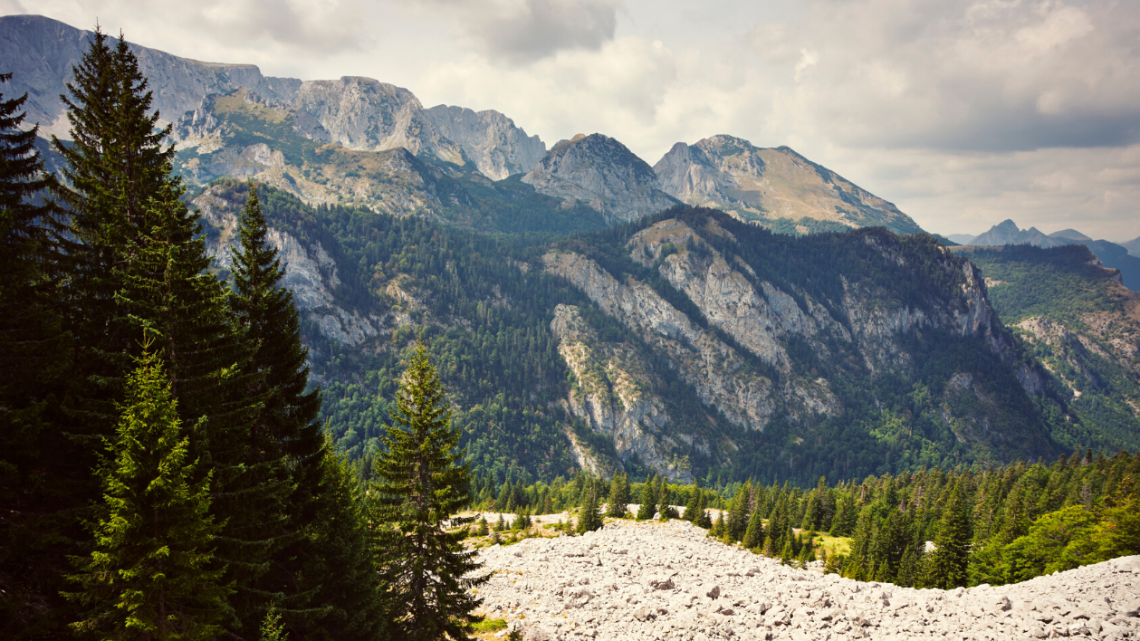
(491, 140)
(602, 172)
(763, 185)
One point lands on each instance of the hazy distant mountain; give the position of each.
(1111, 255)
(961, 239)
(604, 173)
(765, 185)
(1133, 246)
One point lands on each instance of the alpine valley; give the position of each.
(728, 312)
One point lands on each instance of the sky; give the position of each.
(962, 113)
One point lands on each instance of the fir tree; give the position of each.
(949, 563)
(692, 506)
(152, 575)
(421, 482)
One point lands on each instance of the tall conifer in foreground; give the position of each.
(284, 445)
(420, 483)
(152, 574)
(42, 483)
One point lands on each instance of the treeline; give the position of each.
(163, 469)
(930, 528)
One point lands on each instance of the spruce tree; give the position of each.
(340, 565)
(738, 516)
(152, 574)
(648, 506)
(949, 563)
(619, 496)
(44, 476)
(589, 519)
(692, 506)
(421, 483)
(754, 535)
(284, 440)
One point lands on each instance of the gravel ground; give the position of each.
(668, 581)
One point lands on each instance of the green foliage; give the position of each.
(420, 483)
(152, 574)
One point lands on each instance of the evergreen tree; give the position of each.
(738, 516)
(648, 505)
(949, 563)
(421, 482)
(619, 496)
(704, 520)
(339, 566)
(152, 575)
(718, 529)
(692, 506)
(284, 443)
(589, 519)
(754, 535)
(44, 476)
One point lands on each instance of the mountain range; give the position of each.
(353, 140)
(730, 311)
(1122, 257)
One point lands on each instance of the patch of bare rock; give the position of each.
(668, 581)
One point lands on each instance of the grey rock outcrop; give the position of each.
(491, 140)
(40, 53)
(310, 273)
(611, 395)
(677, 583)
(365, 114)
(603, 172)
(758, 184)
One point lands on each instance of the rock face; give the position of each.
(310, 273)
(368, 115)
(761, 185)
(40, 53)
(491, 140)
(610, 394)
(653, 581)
(740, 339)
(603, 172)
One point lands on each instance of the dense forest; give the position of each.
(930, 528)
(163, 470)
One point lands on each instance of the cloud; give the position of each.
(963, 75)
(524, 31)
(323, 26)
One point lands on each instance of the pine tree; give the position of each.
(718, 529)
(704, 520)
(44, 477)
(949, 563)
(152, 575)
(421, 482)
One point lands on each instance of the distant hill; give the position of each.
(1109, 254)
(1080, 322)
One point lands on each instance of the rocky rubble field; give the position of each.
(668, 581)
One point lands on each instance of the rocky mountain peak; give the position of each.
(763, 185)
(604, 173)
(490, 139)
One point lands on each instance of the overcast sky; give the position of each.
(962, 113)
